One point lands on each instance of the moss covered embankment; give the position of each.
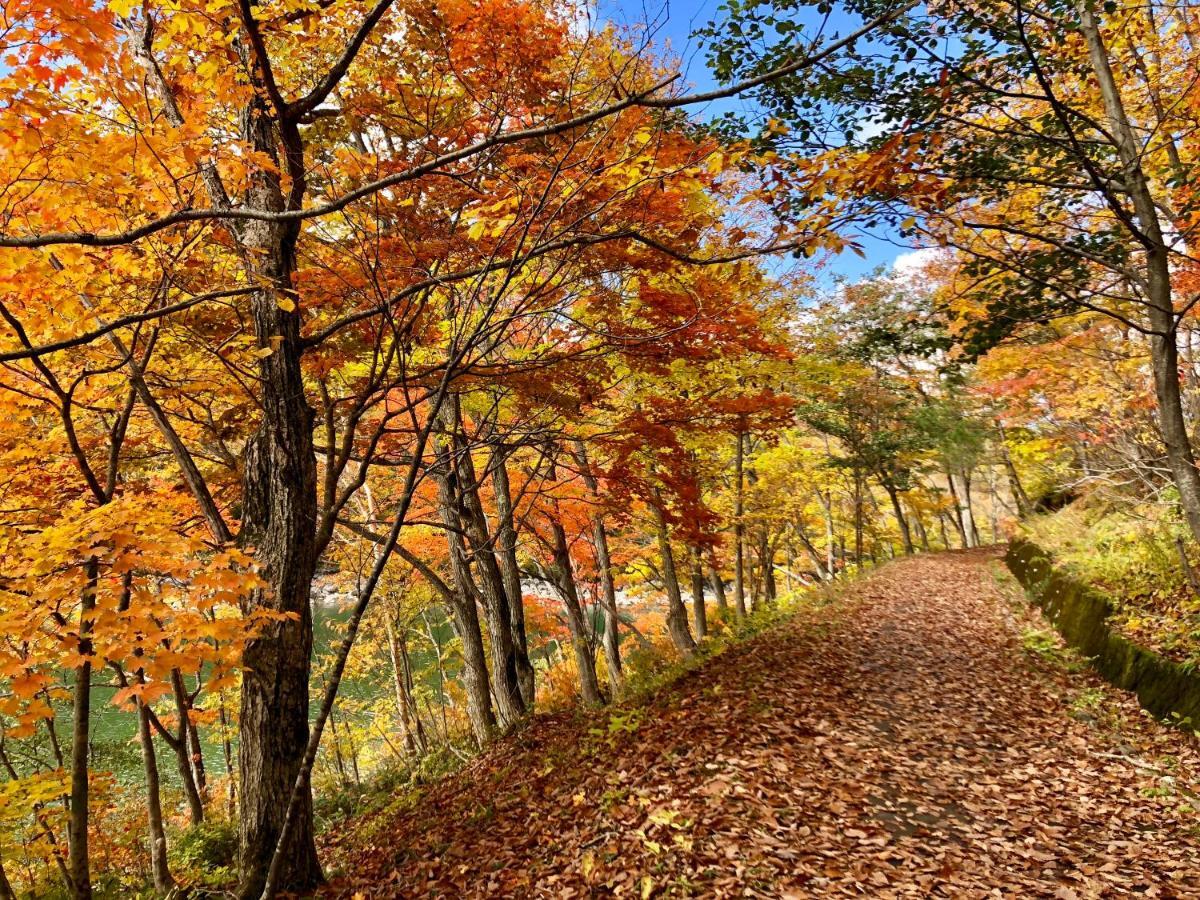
(1080, 614)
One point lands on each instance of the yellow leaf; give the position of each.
(287, 304)
(647, 886)
(264, 352)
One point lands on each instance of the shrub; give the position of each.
(206, 854)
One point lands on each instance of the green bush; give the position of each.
(206, 854)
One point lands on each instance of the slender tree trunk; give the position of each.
(472, 519)
(422, 740)
(766, 556)
(824, 572)
(509, 705)
(196, 755)
(699, 612)
(827, 514)
(182, 747)
(1014, 479)
(338, 761)
(898, 511)
(994, 505)
(608, 601)
(958, 519)
(970, 526)
(677, 623)
(739, 530)
(608, 592)
(506, 541)
(156, 838)
(922, 534)
(400, 683)
(474, 674)
(858, 518)
(78, 860)
(227, 751)
(718, 586)
(589, 687)
(437, 655)
(466, 618)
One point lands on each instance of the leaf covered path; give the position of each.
(899, 743)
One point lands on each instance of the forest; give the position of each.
(436, 436)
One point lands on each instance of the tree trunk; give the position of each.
(608, 602)
(739, 530)
(414, 740)
(608, 592)
(196, 755)
(474, 675)
(699, 612)
(589, 687)
(466, 618)
(1014, 479)
(409, 692)
(1164, 349)
(182, 747)
(279, 520)
(767, 554)
(922, 534)
(718, 586)
(437, 655)
(6, 889)
(967, 510)
(827, 514)
(824, 572)
(509, 705)
(157, 838)
(898, 511)
(677, 623)
(227, 751)
(78, 861)
(506, 545)
(957, 517)
(858, 518)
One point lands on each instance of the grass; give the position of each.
(1130, 554)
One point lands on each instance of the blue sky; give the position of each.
(673, 25)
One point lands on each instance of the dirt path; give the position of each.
(904, 743)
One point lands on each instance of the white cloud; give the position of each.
(912, 263)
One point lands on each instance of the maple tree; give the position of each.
(376, 374)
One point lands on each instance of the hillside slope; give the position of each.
(922, 737)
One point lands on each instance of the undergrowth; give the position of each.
(1131, 555)
(648, 676)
